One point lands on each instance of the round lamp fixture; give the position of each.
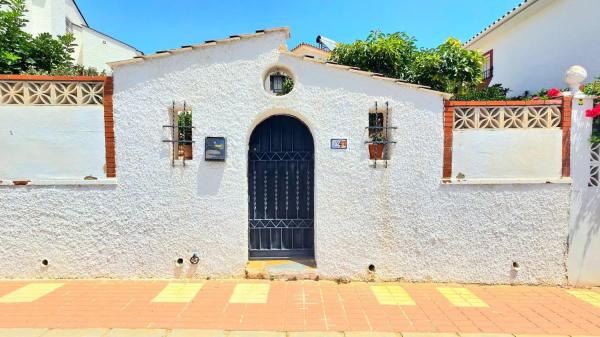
(575, 76)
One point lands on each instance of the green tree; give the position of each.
(13, 40)
(21, 52)
(46, 53)
(387, 54)
(448, 67)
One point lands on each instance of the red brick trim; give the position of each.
(567, 106)
(448, 130)
(109, 130)
(53, 78)
(505, 103)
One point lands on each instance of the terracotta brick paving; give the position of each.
(302, 306)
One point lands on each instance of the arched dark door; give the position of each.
(280, 188)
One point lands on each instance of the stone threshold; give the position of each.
(290, 269)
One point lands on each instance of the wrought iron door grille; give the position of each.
(280, 187)
(281, 156)
(282, 223)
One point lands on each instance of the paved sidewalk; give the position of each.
(222, 333)
(256, 305)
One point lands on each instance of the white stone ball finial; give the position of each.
(574, 77)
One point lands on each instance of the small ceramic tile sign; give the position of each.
(339, 144)
(215, 149)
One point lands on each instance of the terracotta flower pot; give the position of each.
(187, 150)
(376, 151)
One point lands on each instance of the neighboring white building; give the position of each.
(530, 46)
(58, 17)
(277, 176)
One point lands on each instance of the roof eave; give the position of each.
(80, 13)
(112, 38)
(372, 75)
(505, 18)
(209, 43)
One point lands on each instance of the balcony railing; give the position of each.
(488, 73)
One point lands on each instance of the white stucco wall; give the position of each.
(584, 238)
(73, 14)
(92, 48)
(401, 219)
(584, 231)
(532, 50)
(51, 142)
(507, 154)
(96, 50)
(46, 16)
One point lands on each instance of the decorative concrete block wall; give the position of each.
(507, 141)
(55, 129)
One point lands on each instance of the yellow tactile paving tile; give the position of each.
(462, 297)
(392, 295)
(30, 292)
(588, 296)
(250, 293)
(178, 293)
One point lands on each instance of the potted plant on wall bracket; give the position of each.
(184, 127)
(376, 145)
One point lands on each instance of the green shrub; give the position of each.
(448, 67)
(184, 123)
(495, 92)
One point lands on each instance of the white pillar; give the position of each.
(584, 236)
(581, 131)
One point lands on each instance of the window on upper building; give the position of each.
(488, 65)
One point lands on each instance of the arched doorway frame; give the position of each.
(310, 127)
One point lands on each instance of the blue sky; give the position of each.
(152, 25)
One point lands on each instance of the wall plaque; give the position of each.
(215, 148)
(339, 144)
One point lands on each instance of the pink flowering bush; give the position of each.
(593, 89)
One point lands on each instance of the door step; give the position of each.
(296, 269)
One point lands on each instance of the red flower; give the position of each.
(593, 113)
(554, 93)
(589, 113)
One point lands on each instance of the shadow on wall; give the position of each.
(512, 227)
(210, 176)
(584, 234)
